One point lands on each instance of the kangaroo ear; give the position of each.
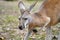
(31, 7)
(21, 6)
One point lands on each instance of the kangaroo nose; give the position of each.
(20, 27)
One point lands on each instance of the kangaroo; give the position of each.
(47, 16)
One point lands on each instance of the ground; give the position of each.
(9, 13)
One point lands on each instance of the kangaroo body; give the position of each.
(50, 9)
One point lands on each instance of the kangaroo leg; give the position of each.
(27, 35)
(48, 33)
(59, 33)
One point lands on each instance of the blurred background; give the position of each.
(9, 14)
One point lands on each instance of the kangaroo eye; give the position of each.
(25, 18)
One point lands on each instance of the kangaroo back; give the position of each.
(52, 10)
